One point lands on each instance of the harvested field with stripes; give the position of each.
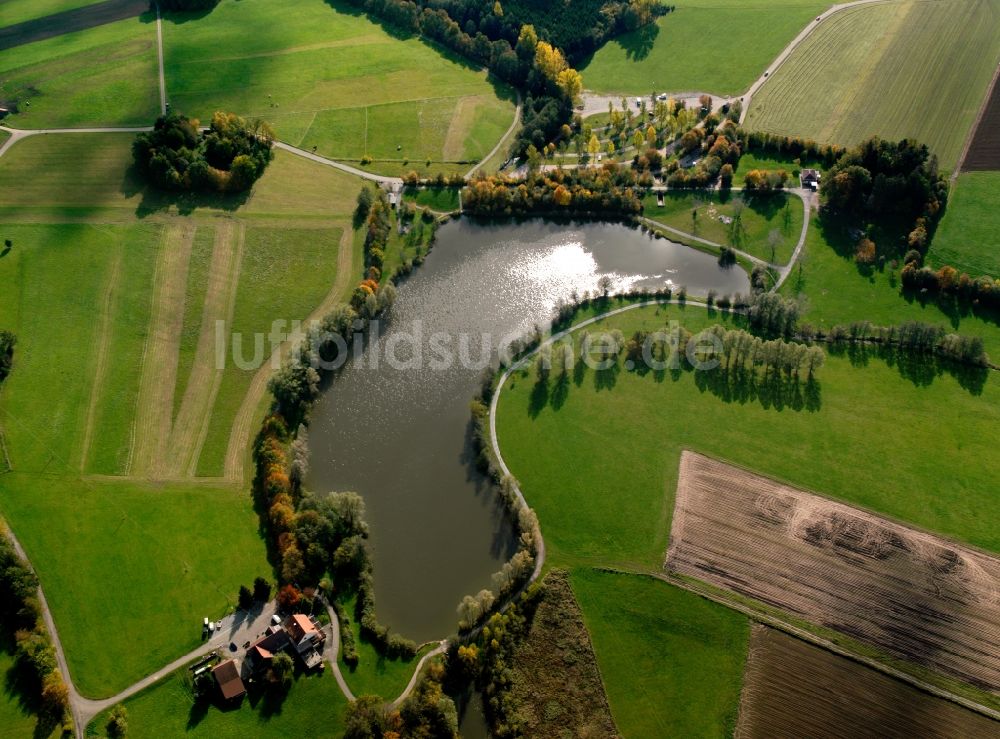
(913, 69)
(910, 594)
(794, 689)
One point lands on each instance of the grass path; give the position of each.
(243, 424)
(191, 424)
(108, 308)
(159, 369)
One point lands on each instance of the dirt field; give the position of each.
(984, 151)
(70, 21)
(794, 689)
(912, 595)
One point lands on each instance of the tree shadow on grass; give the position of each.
(639, 43)
(154, 200)
(402, 34)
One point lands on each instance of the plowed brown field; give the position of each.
(794, 689)
(911, 594)
(984, 151)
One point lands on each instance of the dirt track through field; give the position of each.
(242, 430)
(107, 321)
(159, 368)
(70, 21)
(191, 424)
(794, 689)
(910, 594)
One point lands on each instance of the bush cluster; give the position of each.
(229, 157)
(981, 291)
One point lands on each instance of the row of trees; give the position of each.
(980, 291)
(229, 157)
(39, 678)
(913, 337)
(610, 189)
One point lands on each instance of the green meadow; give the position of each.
(671, 661)
(332, 81)
(968, 237)
(104, 76)
(714, 46)
(835, 290)
(756, 223)
(597, 458)
(314, 706)
(18, 11)
(127, 553)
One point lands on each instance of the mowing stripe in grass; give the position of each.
(190, 425)
(230, 306)
(156, 390)
(107, 320)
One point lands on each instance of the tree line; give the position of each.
(610, 189)
(228, 157)
(982, 291)
(40, 681)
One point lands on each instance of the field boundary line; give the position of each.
(698, 588)
(109, 308)
(242, 428)
(990, 91)
(219, 373)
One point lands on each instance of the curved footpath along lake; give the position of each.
(399, 435)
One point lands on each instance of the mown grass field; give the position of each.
(104, 76)
(272, 259)
(18, 11)
(759, 217)
(968, 237)
(833, 290)
(909, 69)
(712, 46)
(129, 546)
(331, 80)
(314, 706)
(51, 178)
(598, 461)
(672, 662)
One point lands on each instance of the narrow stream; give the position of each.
(397, 432)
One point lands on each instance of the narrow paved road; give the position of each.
(380, 179)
